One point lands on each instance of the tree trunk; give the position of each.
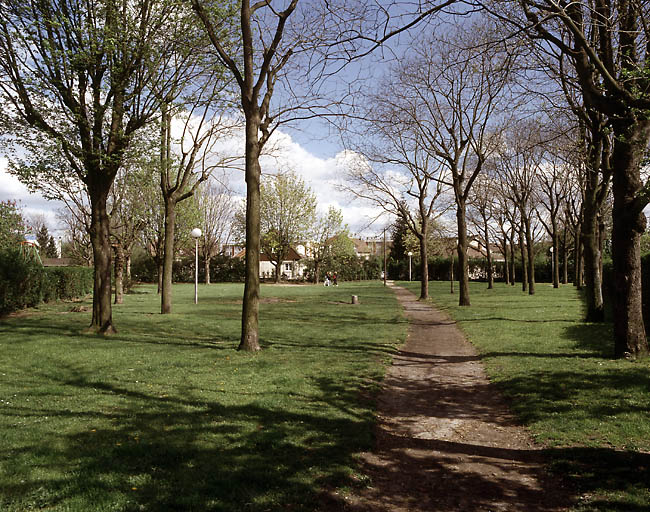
(579, 259)
(531, 258)
(556, 255)
(524, 264)
(250, 309)
(565, 258)
(119, 274)
(451, 273)
(463, 264)
(206, 268)
(168, 257)
(513, 261)
(629, 224)
(127, 267)
(316, 271)
(591, 246)
(490, 272)
(160, 275)
(424, 266)
(506, 262)
(102, 319)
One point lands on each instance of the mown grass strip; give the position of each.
(167, 415)
(590, 411)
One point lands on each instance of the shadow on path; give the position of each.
(446, 440)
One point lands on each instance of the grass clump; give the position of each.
(590, 411)
(167, 415)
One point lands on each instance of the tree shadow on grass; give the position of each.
(542, 393)
(170, 453)
(597, 338)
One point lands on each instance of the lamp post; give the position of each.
(410, 254)
(196, 233)
(552, 267)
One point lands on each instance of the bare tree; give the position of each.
(78, 246)
(552, 189)
(399, 175)
(216, 209)
(481, 213)
(188, 161)
(606, 44)
(519, 163)
(459, 83)
(258, 57)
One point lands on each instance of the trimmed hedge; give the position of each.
(27, 283)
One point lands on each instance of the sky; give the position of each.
(310, 150)
(318, 161)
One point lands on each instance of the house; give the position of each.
(231, 250)
(293, 267)
(364, 248)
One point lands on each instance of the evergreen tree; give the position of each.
(12, 224)
(399, 234)
(50, 250)
(42, 237)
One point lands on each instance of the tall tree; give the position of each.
(327, 231)
(518, 165)
(459, 83)
(187, 162)
(86, 77)
(287, 216)
(481, 214)
(216, 209)
(403, 179)
(552, 188)
(268, 41)
(607, 44)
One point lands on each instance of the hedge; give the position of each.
(27, 283)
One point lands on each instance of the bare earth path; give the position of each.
(446, 440)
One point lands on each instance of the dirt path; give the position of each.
(446, 440)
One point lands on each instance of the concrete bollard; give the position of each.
(355, 299)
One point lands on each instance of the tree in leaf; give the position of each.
(51, 251)
(12, 225)
(287, 214)
(82, 78)
(328, 237)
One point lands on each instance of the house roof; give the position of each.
(291, 256)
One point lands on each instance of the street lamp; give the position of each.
(552, 267)
(196, 233)
(410, 254)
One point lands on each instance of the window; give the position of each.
(287, 266)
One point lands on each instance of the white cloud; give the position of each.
(321, 173)
(33, 204)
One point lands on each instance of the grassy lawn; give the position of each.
(167, 415)
(591, 412)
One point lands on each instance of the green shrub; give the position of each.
(27, 283)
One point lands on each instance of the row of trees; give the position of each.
(470, 122)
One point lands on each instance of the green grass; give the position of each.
(167, 415)
(591, 412)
